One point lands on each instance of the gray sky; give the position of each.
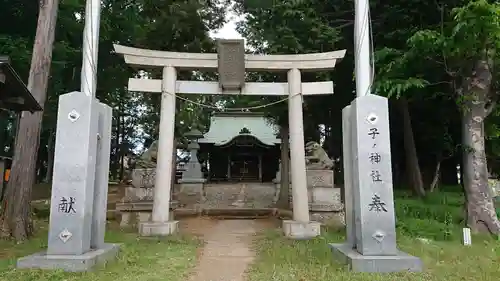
(228, 31)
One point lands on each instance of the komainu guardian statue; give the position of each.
(142, 171)
(148, 158)
(317, 158)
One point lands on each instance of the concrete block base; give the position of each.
(128, 219)
(70, 263)
(158, 228)
(380, 264)
(301, 230)
(192, 188)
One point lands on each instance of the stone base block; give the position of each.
(301, 230)
(325, 199)
(380, 264)
(158, 228)
(335, 219)
(70, 263)
(135, 218)
(134, 194)
(324, 207)
(144, 177)
(192, 189)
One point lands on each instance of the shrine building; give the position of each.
(239, 147)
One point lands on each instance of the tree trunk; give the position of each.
(411, 157)
(50, 157)
(173, 190)
(16, 221)
(122, 147)
(284, 196)
(114, 157)
(4, 123)
(435, 178)
(481, 215)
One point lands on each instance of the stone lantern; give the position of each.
(193, 136)
(192, 178)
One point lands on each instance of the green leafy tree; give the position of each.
(465, 48)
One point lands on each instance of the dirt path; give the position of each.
(227, 252)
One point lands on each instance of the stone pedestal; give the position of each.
(325, 204)
(301, 230)
(71, 263)
(192, 187)
(371, 231)
(143, 177)
(323, 197)
(136, 212)
(79, 187)
(324, 200)
(137, 204)
(357, 262)
(133, 194)
(152, 228)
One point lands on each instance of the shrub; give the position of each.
(418, 209)
(437, 217)
(426, 228)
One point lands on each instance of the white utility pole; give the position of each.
(90, 47)
(362, 47)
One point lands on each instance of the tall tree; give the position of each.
(477, 42)
(16, 211)
(466, 48)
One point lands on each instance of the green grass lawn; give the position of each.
(282, 259)
(140, 259)
(437, 219)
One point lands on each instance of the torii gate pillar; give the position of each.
(160, 223)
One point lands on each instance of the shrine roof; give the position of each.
(226, 126)
(14, 95)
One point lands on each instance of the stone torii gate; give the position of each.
(231, 62)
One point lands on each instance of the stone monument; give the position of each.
(137, 204)
(142, 176)
(325, 201)
(192, 180)
(143, 173)
(370, 219)
(79, 188)
(320, 179)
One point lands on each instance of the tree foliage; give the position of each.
(164, 25)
